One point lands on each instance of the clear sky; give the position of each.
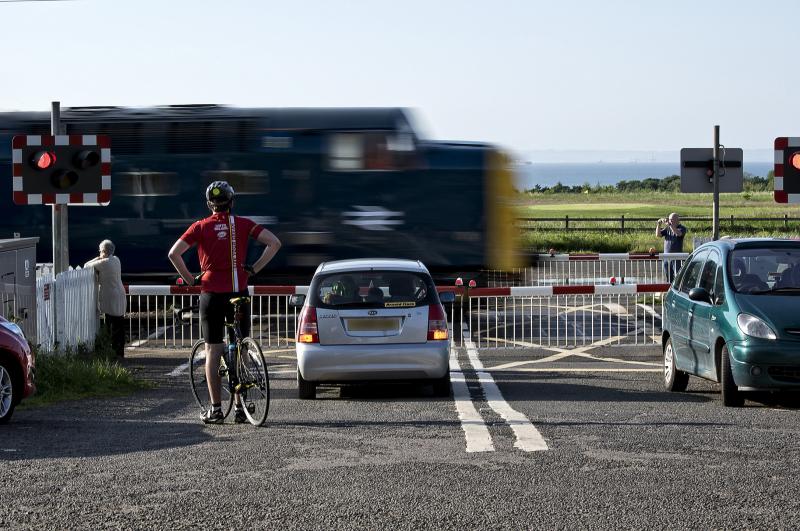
(528, 74)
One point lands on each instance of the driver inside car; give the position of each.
(342, 291)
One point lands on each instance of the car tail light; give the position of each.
(307, 332)
(437, 322)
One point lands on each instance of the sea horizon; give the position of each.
(529, 174)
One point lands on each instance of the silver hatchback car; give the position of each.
(372, 319)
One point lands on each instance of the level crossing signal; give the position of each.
(61, 169)
(787, 169)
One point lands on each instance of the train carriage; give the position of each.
(331, 183)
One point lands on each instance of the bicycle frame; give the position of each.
(235, 336)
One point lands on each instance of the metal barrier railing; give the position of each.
(591, 269)
(507, 317)
(151, 320)
(560, 316)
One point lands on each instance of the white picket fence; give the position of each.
(66, 309)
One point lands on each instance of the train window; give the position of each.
(244, 182)
(144, 183)
(380, 151)
(346, 152)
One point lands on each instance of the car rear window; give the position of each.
(373, 289)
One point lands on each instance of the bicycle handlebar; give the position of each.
(178, 313)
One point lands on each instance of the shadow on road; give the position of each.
(406, 392)
(38, 437)
(551, 387)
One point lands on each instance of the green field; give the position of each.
(639, 236)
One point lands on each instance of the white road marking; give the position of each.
(616, 360)
(475, 430)
(560, 354)
(577, 369)
(616, 308)
(154, 335)
(528, 437)
(177, 371)
(649, 309)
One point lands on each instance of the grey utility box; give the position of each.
(18, 283)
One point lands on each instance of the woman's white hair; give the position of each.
(107, 246)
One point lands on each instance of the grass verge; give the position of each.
(81, 373)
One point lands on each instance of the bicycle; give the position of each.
(249, 377)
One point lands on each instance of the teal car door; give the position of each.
(679, 311)
(702, 319)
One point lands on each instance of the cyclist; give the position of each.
(221, 241)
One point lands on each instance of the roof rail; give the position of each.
(191, 106)
(92, 108)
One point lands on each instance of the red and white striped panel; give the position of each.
(608, 257)
(522, 291)
(783, 143)
(23, 198)
(159, 290)
(546, 291)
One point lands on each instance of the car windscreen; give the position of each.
(373, 289)
(767, 270)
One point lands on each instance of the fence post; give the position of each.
(786, 221)
(566, 222)
(622, 224)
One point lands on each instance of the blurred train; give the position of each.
(331, 183)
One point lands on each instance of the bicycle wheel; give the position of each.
(197, 374)
(253, 382)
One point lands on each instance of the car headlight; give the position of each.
(754, 327)
(13, 328)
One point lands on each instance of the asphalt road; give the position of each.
(621, 453)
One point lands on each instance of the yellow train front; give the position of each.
(332, 183)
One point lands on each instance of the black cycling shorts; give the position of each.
(215, 309)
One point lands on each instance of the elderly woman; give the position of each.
(111, 294)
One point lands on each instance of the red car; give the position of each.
(16, 368)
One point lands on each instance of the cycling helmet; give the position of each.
(219, 192)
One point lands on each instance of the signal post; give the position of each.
(60, 218)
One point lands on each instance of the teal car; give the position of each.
(732, 315)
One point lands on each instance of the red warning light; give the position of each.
(795, 160)
(43, 159)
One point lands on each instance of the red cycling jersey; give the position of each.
(222, 249)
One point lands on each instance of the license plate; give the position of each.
(376, 324)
